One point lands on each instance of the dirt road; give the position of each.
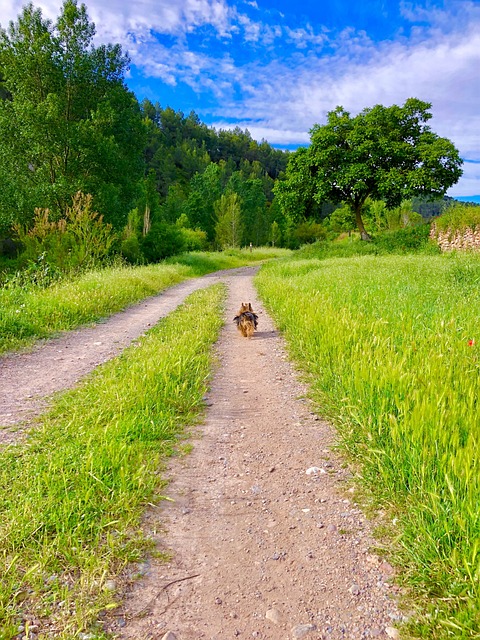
(264, 536)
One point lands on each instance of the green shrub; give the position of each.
(130, 249)
(79, 240)
(459, 217)
(414, 239)
(163, 240)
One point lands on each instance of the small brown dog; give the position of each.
(246, 320)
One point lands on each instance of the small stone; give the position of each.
(273, 615)
(392, 633)
(169, 636)
(302, 630)
(311, 471)
(121, 622)
(218, 601)
(331, 528)
(355, 590)
(387, 569)
(110, 585)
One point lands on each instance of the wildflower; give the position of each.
(471, 343)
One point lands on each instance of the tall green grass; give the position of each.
(72, 496)
(28, 313)
(392, 350)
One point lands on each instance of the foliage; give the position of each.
(73, 496)
(79, 240)
(130, 248)
(68, 122)
(396, 366)
(228, 227)
(309, 231)
(275, 234)
(205, 190)
(341, 220)
(458, 218)
(385, 153)
(295, 193)
(161, 241)
(194, 239)
(253, 208)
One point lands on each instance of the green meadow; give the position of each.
(390, 346)
(72, 495)
(30, 311)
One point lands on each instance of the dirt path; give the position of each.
(28, 379)
(260, 548)
(264, 537)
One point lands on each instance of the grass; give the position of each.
(401, 241)
(391, 348)
(28, 313)
(72, 495)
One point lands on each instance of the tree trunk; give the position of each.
(358, 219)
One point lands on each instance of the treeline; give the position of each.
(87, 172)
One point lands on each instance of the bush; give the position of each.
(79, 240)
(458, 218)
(413, 239)
(194, 239)
(163, 240)
(130, 249)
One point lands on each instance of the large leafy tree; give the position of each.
(385, 153)
(67, 120)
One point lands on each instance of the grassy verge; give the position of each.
(72, 496)
(28, 313)
(391, 347)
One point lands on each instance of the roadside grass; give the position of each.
(31, 312)
(72, 495)
(391, 349)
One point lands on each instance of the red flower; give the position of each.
(471, 343)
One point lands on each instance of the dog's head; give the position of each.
(245, 306)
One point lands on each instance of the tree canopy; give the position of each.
(383, 153)
(67, 121)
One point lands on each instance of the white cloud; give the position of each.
(469, 183)
(115, 20)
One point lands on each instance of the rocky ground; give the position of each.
(265, 538)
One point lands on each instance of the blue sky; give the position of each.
(277, 67)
